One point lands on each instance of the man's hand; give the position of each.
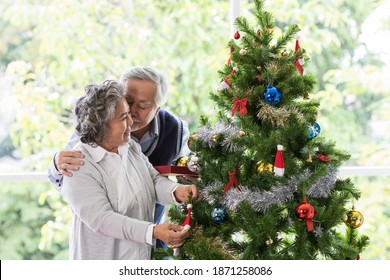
(184, 192)
(66, 161)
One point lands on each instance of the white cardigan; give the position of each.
(97, 226)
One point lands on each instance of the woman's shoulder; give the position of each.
(89, 169)
(89, 162)
(134, 146)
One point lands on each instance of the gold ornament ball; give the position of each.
(354, 219)
(241, 133)
(182, 161)
(269, 167)
(259, 68)
(261, 167)
(214, 138)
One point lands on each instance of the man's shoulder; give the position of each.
(167, 120)
(165, 113)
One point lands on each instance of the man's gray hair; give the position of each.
(96, 109)
(150, 74)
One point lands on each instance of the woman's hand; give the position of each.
(170, 234)
(183, 192)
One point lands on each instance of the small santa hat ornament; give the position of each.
(300, 61)
(279, 162)
(225, 84)
(187, 221)
(186, 226)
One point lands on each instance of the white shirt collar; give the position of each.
(155, 126)
(98, 152)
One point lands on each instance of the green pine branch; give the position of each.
(283, 40)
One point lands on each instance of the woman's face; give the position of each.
(118, 130)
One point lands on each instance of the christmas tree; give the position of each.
(269, 181)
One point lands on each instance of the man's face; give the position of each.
(141, 98)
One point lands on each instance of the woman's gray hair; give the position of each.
(150, 74)
(96, 109)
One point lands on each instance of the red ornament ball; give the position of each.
(237, 35)
(305, 211)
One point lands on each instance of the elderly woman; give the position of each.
(112, 197)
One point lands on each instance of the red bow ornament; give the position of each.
(232, 181)
(241, 106)
(324, 158)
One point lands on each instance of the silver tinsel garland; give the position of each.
(324, 185)
(261, 200)
(207, 134)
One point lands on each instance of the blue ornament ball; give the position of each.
(314, 131)
(310, 130)
(272, 95)
(219, 214)
(317, 129)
